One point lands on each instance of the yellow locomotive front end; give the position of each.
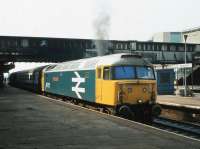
(136, 92)
(130, 89)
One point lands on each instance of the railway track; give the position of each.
(184, 128)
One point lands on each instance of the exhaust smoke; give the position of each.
(102, 26)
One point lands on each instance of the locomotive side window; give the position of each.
(106, 73)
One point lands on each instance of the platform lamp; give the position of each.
(185, 77)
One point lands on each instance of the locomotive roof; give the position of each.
(92, 63)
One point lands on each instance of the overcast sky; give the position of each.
(128, 19)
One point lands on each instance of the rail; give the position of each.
(180, 127)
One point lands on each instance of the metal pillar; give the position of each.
(192, 77)
(185, 76)
(177, 78)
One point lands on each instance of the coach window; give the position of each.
(99, 73)
(106, 73)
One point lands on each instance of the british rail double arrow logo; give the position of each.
(78, 80)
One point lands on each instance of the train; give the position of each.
(121, 84)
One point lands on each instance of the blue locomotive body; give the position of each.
(76, 84)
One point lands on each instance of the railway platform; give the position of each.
(31, 121)
(179, 101)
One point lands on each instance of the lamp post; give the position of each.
(185, 77)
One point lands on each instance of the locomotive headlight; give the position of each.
(144, 89)
(140, 101)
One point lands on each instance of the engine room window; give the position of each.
(106, 73)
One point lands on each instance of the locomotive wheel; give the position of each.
(126, 112)
(75, 102)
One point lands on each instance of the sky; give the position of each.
(128, 19)
(118, 19)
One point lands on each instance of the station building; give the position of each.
(173, 37)
(193, 37)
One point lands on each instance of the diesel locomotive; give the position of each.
(122, 84)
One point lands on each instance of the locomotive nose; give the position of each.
(135, 93)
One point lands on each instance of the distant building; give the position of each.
(177, 37)
(193, 35)
(174, 37)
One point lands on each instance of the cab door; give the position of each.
(108, 91)
(99, 74)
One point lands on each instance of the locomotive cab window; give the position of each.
(124, 72)
(145, 73)
(132, 72)
(106, 73)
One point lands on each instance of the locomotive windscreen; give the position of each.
(133, 72)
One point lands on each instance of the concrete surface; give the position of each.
(176, 100)
(29, 121)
